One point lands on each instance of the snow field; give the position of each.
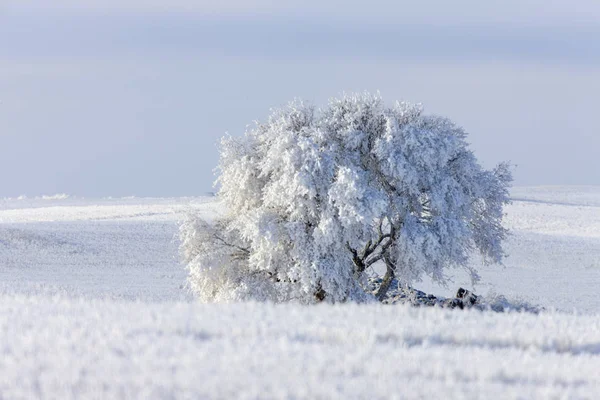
(93, 305)
(54, 347)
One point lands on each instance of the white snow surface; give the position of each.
(93, 304)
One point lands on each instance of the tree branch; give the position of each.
(226, 243)
(364, 260)
(358, 261)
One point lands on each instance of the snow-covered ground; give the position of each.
(93, 305)
(553, 252)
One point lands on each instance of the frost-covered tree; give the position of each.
(318, 199)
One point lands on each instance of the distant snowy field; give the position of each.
(93, 305)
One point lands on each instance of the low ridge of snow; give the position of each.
(93, 305)
(560, 195)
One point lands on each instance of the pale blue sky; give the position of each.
(119, 98)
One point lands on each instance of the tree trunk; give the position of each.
(387, 280)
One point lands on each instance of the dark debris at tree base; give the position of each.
(417, 298)
(464, 299)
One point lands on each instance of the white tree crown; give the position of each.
(317, 198)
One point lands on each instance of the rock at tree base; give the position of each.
(466, 296)
(402, 294)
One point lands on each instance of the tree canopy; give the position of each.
(317, 200)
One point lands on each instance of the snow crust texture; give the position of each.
(57, 348)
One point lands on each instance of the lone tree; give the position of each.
(318, 199)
